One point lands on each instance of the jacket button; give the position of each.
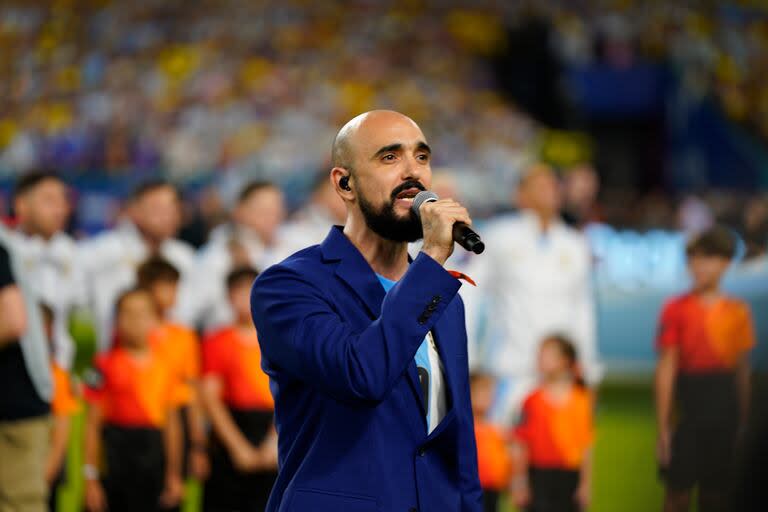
(432, 307)
(422, 452)
(423, 319)
(436, 299)
(412, 509)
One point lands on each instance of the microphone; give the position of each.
(462, 234)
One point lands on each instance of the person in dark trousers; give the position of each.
(239, 404)
(132, 422)
(179, 345)
(703, 380)
(24, 409)
(554, 436)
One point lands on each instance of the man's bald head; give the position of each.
(345, 142)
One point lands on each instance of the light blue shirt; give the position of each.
(430, 373)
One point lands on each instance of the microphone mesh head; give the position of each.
(421, 198)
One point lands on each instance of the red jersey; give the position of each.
(235, 358)
(134, 390)
(558, 434)
(709, 337)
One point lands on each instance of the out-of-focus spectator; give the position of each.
(48, 254)
(754, 229)
(132, 420)
(694, 215)
(580, 190)
(251, 237)
(110, 260)
(494, 463)
(64, 406)
(533, 279)
(26, 380)
(311, 223)
(240, 406)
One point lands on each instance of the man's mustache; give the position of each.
(405, 186)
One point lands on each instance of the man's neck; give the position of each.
(545, 219)
(153, 244)
(386, 258)
(29, 232)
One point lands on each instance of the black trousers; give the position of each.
(490, 500)
(135, 468)
(229, 490)
(704, 441)
(553, 490)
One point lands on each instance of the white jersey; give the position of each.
(205, 302)
(530, 284)
(110, 261)
(55, 276)
(308, 227)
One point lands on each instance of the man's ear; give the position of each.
(341, 182)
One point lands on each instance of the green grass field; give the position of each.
(625, 477)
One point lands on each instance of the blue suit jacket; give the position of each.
(348, 406)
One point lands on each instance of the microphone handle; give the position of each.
(467, 238)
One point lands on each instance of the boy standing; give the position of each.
(132, 422)
(239, 404)
(179, 346)
(702, 373)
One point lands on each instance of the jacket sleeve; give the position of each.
(302, 335)
(471, 493)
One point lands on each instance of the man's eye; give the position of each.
(389, 157)
(423, 157)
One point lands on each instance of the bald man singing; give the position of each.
(366, 348)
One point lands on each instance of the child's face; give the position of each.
(482, 389)
(164, 294)
(136, 317)
(240, 298)
(552, 362)
(706, 271)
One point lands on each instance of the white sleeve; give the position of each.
(584, 326)
(477, 299)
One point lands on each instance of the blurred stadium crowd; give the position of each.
(236, 103)
(236, 88)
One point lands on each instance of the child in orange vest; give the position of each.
(553, 438)
(239, 404)
(494, 462)
(132, 422)
(180, 346)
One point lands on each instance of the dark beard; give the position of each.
(388, 225)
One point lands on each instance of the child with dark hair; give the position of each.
(239, 403)
(64, 405)
(180, 347)
(702, 379)
(553, 438)
(494, 462)
(132, 422)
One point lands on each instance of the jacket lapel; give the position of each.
(354, 270)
